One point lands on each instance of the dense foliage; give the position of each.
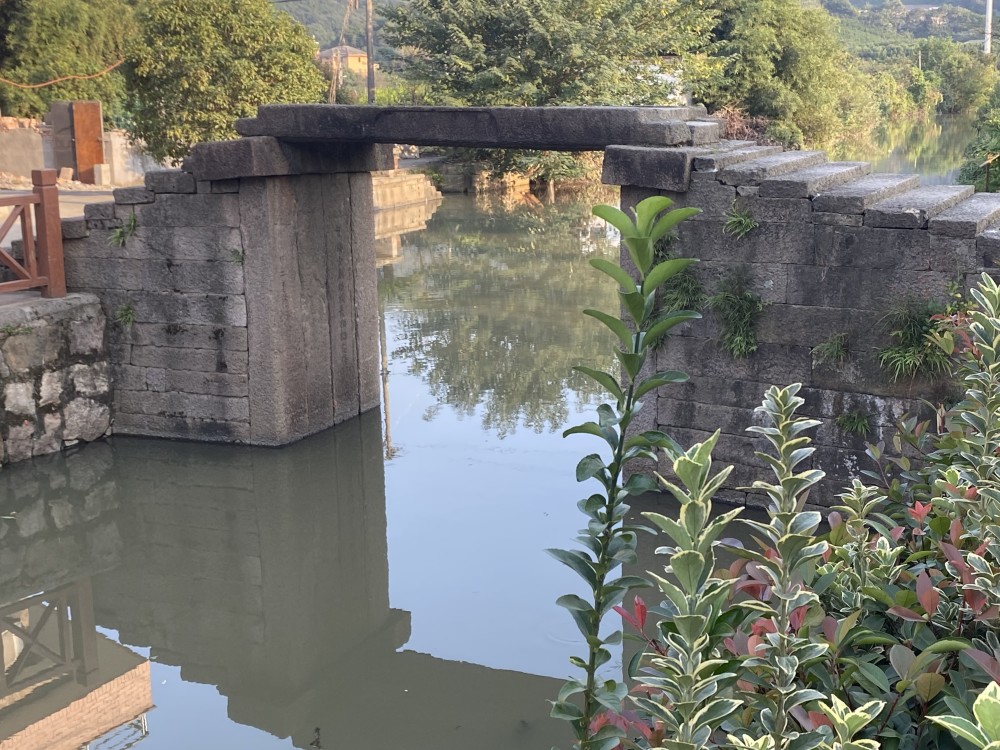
(535, 52)
(43, 40)
(198, 65)
(877, 633)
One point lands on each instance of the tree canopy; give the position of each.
(198, 65)
(43, 40)
(537, 52)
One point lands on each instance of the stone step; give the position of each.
(856, 197)
(704, 132)
(913, 209)
(733, 152)
(809, 182)
(969, 218)
(755, 171)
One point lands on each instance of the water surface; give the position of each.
(383, 582)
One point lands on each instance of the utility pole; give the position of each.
(369, 34)
(988, 42)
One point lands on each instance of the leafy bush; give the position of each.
(878, 633)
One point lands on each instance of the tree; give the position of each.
(964, 75)
(43, 40)
(784, 61)
(198, 65)
(539, 52)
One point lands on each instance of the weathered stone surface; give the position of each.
(269, 157)
(643, 166)
(85, 419)
(212, 277)
(225, 186)
(868, 247)
(545, 128)
(860, 288)
(190, 211)
(769, 280)
(129, 378)
(191, 308)
(757, 170)
(806, 183)
(74, 228)
(37, 346)
(19, 399)
(130, 196)
(170, 181)
(729, 154)
(705, 132)
(50, 441)
(769, 243)
(771, 210)
(840, 220)
(209, 383)
(186, 336)
(969, 218)
(856, 197)
(184, 405)
(204, 430)
(52, 387)
(715, 201)
(955, 255)
(90, 380)
(99, 211)
(913, 209)
(988, 248)
(86, 335)
(771, 363)
(199, 360)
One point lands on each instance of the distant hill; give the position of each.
(325, 18)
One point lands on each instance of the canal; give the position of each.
(382, 582)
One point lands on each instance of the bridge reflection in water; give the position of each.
(261, 572)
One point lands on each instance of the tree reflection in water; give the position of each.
(484, 305)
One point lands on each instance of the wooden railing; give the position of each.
(42, 264)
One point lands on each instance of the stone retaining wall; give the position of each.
(834, 250)
(56, 388)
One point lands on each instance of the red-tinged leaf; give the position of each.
(756, 589)
(984, 660)
(956, 531)
(796, 618)
(974, 600)
(819, 719)
(971, 493)
(830, 628)
(627, 616)
(956, 559)
(763, 625)
(827, 554)
(982, 548)
(991, 613)
(906, 614)
(927, 594)
(919, 511)
(754, 642)
(896, 533)
(640, 612)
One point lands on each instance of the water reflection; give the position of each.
(931, 147)
(485, 305)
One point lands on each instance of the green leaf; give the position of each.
(616, 272)
(646, 211)
(631, 362)
(635, 304)
(663, 271)
(672, 219)
(566, 711)
(592, 428)
(987, 711)
(962, 728)
(617, 326)
(688, 566)
(616, 218)
(659, 329)
(578, 562)
(589, 466)
(605, 379)
(658, 379)
(928, 685)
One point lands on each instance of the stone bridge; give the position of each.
(245, 287)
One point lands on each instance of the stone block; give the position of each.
(730, 420)
(771, 363)
(728, 154)
(545, 128)
(85, 419)
(969, 218)
(715, 201)
(213, 277)
(19, 399)
(91, 246)
(127, 377)
(198, 360)
(769, 280)
(73, 229)
(20, 442)
(209, 383)
(767, 210)
(207, 243)
(170, 181)
(913, 209)
(168, 307)
(809, 326)
(658, 168)
(954, 255)
(41, 346)
(808, 182)
(199, 210)
(52, 387)
(50, 441)
(840, 220)
(185, 336)
(755, 171)
(858, 196)
(86, 336)
(768, 244)
(130, 196)
(225, 186)
(90, 380)
(868, 247)
(183, 405)
(269, 157)
(99, 211)
(861, 288)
